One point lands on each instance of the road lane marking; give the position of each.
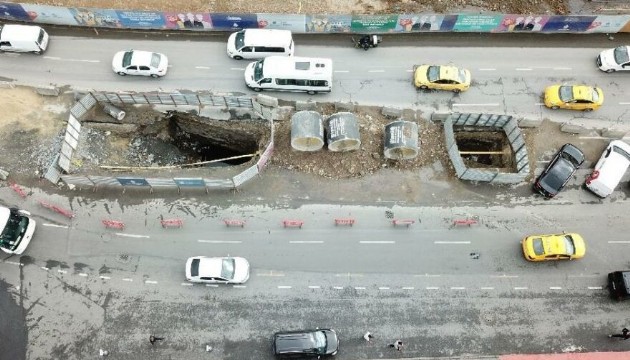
(283, 287)
(383, 288)
(55, 225)
(487, 69)
(582, 276)
(359, 288)
(555, 288)
(624, 103)
(306, 242)
(338, 287)
(539, 104)
(239, 286)
(524, 69)
(203, 67)
(408, 288)
(341, 71)
(150, 282)
(432, 288)
(105, 277)
(314, 287)
(133, 235)
(83, 274)
(487, 288)
(594, 287)
(377, 242)
(220, 241)
(127, 279)
(212, 285)
(451, 242)
(489, 104)
(619, 242)
(562, 68)
(349, 275)
(238, 69)
(61, 271)
(44, 268)
(427, 275)
(458, 288)
(376, 71)
(520, 288)
(71, 60)
(504, 276)
(13, 263)
(186, 284)
(271, 273)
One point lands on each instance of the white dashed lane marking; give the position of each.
(203, 67)
(150, 282)
(523, 69)
(520, 288)
(594, 287)
(451, 242)
(487, 69)
(239, 286)
(458, 288)
(314, 287)
(105, 277)
(555, 288)
(55, 58)
(220, 241)
(376, 71)
(376, 242)
(359, 288)
(432, 288)
(133, 235)
(55, 225)
(383, 288)
(283, 287)
(489, 104)
(127, 279)
(186, 284)
(408, 288)
(306, 242)
(487, 288)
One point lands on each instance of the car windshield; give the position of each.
(566, 93)
(621, 152)
(227, 269)
(621, 55)
(595, 95)
(258, 70)
(538, 246)
(569, 245)
(462, 76)
(194, 267)
(239, 40)
(320, 342)
(14, 230)
(155, 60)
(127, 58)
(433, 73)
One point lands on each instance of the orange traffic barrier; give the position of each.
(344, 221)
(234, 222)
(293, 223)
(113, 224)
(405, 222)
(167, 223)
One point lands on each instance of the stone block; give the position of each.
(614, 133)
(529, 123)
(267, 100)
(283, 113)
(439, 117)
(47, 90)
(303, 105)
(391, 112)
(3, 174)
(574, 129)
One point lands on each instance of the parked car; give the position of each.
(559, 170)
(610, 168)
(573, 97)
(138, 62)
(619, 285)
(612, 60)
(217, 270)
(23, 38)
(306, 343)
(441, 77)
(564, 246)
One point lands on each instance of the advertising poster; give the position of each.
(328, 23)
(189, 182)
(234, 21)
(95, 17)
(141, 19)
(294, 23)
(515, 23)
(50, 14)
(608, 23)
(190, 21)
(561, 24)
(376, 23)
(477, 23)
(12, 11)
(419, 22)
(125, 181)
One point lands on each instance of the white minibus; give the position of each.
(313, 75)
(260, 43)
(23, 38)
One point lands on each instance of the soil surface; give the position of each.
(325, 6)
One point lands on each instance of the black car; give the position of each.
(619, 285)
(559, 170)
(305, 343)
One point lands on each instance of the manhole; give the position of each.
(389, 214)
(123, 258)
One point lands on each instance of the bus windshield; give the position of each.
(258, 70)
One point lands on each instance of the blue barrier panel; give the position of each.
(189, 182)
(12, 11)
(126, 181)
(234, 21)
(560, 24)
(141, 19)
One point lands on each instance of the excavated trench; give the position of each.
(485, 149)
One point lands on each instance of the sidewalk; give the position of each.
(567, 356)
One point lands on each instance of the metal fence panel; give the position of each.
(220, 183)
(161, 182)
(508, 178)
(264, 158)
(245, 176)
(479, 175)
(77, 180)
(104, 181)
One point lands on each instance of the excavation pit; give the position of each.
(485, 149)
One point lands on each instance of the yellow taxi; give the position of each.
(439, 77)
(574, 97)
(565, 246)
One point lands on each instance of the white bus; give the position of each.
(313, 75)
(17, 230)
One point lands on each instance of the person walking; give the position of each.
(368, 336)
(625, 334)
(153, 339)
(398, 344)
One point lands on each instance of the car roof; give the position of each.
(449, 72)
(15, 32)
(210, 267)
(583, 92)
(554, 244)
(294, 341)
(141, 57)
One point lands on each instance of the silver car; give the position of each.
(217, 270)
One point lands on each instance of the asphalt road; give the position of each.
(508, 75)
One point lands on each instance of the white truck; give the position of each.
(17, 230)
(23, 38)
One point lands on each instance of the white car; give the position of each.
(217, 270)
(616, 59)
(137, 62)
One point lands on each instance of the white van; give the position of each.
(23, 38)
(259, 43)
(610, 168)
(17, 230)
(313, 75)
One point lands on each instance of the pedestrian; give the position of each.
(625, 334)
(153, 339)
(368, 336)
(397, 345)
